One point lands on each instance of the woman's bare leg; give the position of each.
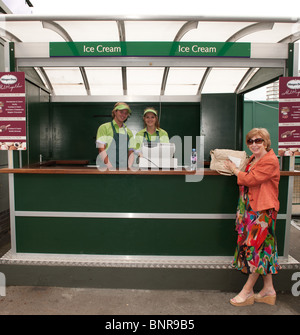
(268, 288)
(247, 290)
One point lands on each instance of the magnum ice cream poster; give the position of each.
(12, 111)
(289, 116)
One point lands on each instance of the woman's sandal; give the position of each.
(237, 301)
(266, 299)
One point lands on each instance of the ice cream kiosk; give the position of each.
(157, 225)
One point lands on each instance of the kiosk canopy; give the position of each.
(157, 75)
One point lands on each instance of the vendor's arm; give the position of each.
(130, 158)
(104, 156)
(103, 140)
(131, 148)
(138, 142)
(163, 136)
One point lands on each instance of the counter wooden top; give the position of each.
(82, 167)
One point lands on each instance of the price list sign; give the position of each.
(289, 116)
(12, 111)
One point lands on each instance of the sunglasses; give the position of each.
(256, 141)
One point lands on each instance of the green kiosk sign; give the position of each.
(156, 49)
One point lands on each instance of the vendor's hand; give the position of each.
(131, 158)
(109, 166)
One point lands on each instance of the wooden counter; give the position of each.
(82, 167)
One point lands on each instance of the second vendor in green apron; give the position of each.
(152, 133)
(115, 141)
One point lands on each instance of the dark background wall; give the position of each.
(221, 122)
(75, 125)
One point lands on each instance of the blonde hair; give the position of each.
(263, 133)
(156, 117)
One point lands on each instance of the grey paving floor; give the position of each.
(24, 300)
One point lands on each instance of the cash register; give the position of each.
(158, 155)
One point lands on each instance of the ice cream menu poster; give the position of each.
(12, 111)
(289, 116)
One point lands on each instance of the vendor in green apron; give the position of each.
(115, 141)
(152, 133)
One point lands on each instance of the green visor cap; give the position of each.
(149, 110)
(121, 107)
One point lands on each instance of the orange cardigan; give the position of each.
(263, 181)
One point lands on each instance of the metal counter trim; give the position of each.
(167, 262)
(190, 216)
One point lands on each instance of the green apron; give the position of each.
(117, 152)
(148, 140)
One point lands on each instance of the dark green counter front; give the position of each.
(129, 214)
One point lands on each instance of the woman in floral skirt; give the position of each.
(256, 252)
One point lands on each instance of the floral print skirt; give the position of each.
(256, 250)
